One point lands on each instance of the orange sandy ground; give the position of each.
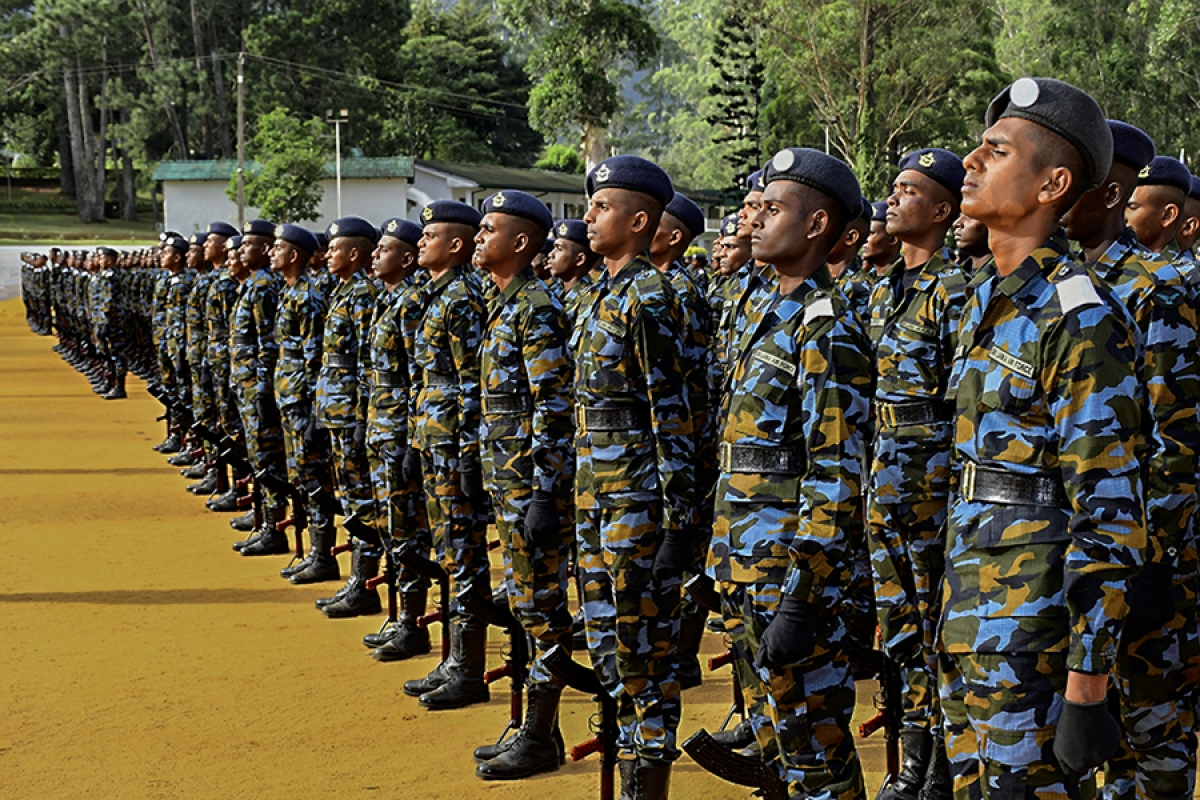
(142, 658)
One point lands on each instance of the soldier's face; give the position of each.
(497, 242)
(281, 255)
(392, 256)
(1150, 210)
(751, 205)
(169, 258)
(437, 249)
(881, 246)
(564, 258)
(610, 221)
(717, 253)
(913, 205)
(735, 251)
(779, 228)
(318, 260)
(255, 250)
(195, 256)
(233, 261)
(1002, 182)
(214, 249)
(970, 234)
(341, 257)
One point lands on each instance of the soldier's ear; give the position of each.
(1170, 214)
(818, 223)
(641, 221)
(1056, 185)
(943, 212)
(520, 242)
(1114, 195)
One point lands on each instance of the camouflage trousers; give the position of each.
(535, 577)
(352, 479)
(999, 715)
(205, 408)
(459, 529)
(632, 624)
(306, 468)
(1155, 687)
(733, 616)
(264, 443)
(409, 521)
(806, 731)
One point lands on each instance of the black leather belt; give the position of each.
(917, 412)
(620, 418)
(389, 380)
(244, 341)
(439, 379)
(293, 352)
(758, 459)
(337, 361)
(507, 403)
(218, 330)
(979, 484)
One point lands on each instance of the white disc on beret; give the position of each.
(1024, 92)
(783, 160)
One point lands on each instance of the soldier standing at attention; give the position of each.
(221, 248)
(789, 494)
(300, 331)
(172, 252)
(444, 447)
(634, 470)
(203, 401)
(108, 322)
(571, 262)
(1046, 527)
(525, 443)
(881, 249)
(399, 503)
(971, 245)
(343, 389)
(914, 315)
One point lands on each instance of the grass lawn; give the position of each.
(46, 228)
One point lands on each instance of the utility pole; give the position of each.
(342, 117)
(241, 140)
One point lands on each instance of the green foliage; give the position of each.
(561, 158)
(285, 185)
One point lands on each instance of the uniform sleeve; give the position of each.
(1090, 359)
(313, 331)
(464, 326)
(266, 305)
(363, 311)
(544, 351)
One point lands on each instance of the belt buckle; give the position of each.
(887, 415)
(726, 457)
(967, 481)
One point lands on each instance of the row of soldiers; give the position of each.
(984, 461)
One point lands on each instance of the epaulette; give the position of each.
(538, 299)
(1075, 289)
(819, 306)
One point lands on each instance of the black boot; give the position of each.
(691, 630)
(406, 639)
(642, 779)
(915, 747)
(207, 485)
(183, 458)
(271, 541)
(195, 471)
(464, 685)
(441, 673)
(358, 601)
(169, 445)
(737, 737)
(243, 522)
(224, 502)
(534, 748)
(321, 566)
(938, 784)
(117, 392)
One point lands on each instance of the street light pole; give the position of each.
(241, 142)
(337, 122)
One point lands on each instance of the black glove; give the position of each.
(181, 367)
(675, 554)
(543, 526)
(1152, 597)
(312, 436)
(410, 467)
(360, 436)
(265, 408)
(789, 637)
(470, 481)
(206, 381)
(1087, 736)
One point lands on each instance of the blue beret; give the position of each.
(820, 171)
(729, 225)
(1069, 112)
(162, 237)
(403, 230)
(879, 211)
(941, 165)
(1131, 145)
(222, 229)
(868, 210)
(1195, 191)
(259, 227)
(450, 211)
(234, 242)
(547, 246)
(176, 241)
(197, 239)
(520, 204)
(108, 251)
(754, 181)
(632, 173)
(322, 240)
(1166, 171)
(683, 209)
(300, 237)
(573, 230)
(352, 226)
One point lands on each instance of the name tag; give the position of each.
(920, 330)
(612, 328)
(1006, 359)
(777, 362)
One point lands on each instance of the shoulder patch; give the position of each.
(821, 307)
(1076, 292)
(539, 299)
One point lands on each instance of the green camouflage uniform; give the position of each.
(204, 401)
(222, 296)
(108, 322)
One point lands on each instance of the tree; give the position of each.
(561, 158)
(582, 49)
(737, 90)
(285, 183)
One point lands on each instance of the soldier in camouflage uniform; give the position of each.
(846, 266)
(572, 263)
(634, 469)
(204, 408)
(253, 355)
(1046, 526)
(299, 331)
(525, 444)
(444, 449)
(881, 249)
(400, 503)
(971, 245)
(108, 322)
(169, 291)
(915, 309)
(1151, 682)
(343, 388)
(221, 249)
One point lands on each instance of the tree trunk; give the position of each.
(205, 92)
(81, 167)
(66, 166)
(180, 137)
(595, 144)
(129, 187)
(102, 143)
(221, 93)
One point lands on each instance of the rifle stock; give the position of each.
(427, 568)
(569, 672)
(477, 604)
(735, 767)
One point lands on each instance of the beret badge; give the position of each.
(1145, 173)
(427, 214)
(333, 229)
(498, 200)
(927, 160)
(392, 226)
(562, 229)
(604, 173)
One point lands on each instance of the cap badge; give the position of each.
(246, 228)
(427, 214)
(392, 225)
(562, 229)
(498, 200)
(603, 173)
(1145, 173)
(783, 160)
(333, 229)
(1024, 92)
(927, 160)
(279, 231)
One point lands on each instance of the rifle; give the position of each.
(703, 591)
(516, 666)
(735, 767)
(427, 568)
(889, 702)
(604, 740)
(299, 502)
(391, 569)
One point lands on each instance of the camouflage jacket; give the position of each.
(799, 401)
(253, 351)
(695, 356)
(446, 356)
(343, 385)
(396, 315)
(1156, 298)
(857, 283)
(576, 296)
(178, 288)
(627, 363)
(299, 332)
(1045, 383)
(222, 295)
(527, 431)
(104, 303)
(158, 319)
(197, 322)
